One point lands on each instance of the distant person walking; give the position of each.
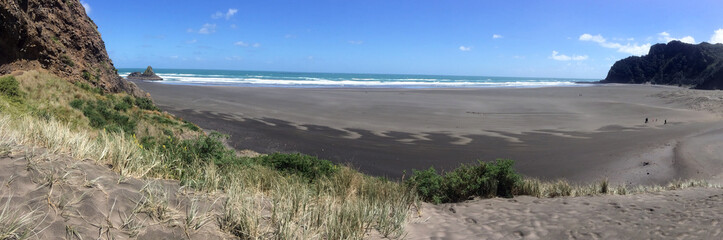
(646, 120)
(665, 122)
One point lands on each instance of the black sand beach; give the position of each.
(582, 134)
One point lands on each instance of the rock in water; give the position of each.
(58, 36)
(697, 66)
(146, 75)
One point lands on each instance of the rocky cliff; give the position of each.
(57, 35)
(675, 63)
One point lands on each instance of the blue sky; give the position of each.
(574, 39)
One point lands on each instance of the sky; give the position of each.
(559, 39)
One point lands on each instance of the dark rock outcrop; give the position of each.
(58, 36)
(146, 75)
(676, 63)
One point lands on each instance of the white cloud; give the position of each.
(355, 42)
(86, 6)
(465, 49)
(190, 30)
(665, 37)
(227, 15)
(634, 49)
(173, 57)
(207, 29)
(191, 41)
(496, 36)
(245, 44)
(717, 36)
(562, 57)
(233, 26)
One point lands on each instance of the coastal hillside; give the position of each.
(58, 36)
(697, 66)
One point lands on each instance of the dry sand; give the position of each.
(582, 134)
(681, 214)
(78, 199)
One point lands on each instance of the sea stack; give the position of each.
(146, 75)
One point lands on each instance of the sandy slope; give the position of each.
(695, 213)
(73, 199)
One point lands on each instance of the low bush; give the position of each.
(10, 87)
(102, 116)
(121, 106)
(146, 103)
(484, 180)
(66, 60)
(89, 88)
(306, 166)
(77, 104)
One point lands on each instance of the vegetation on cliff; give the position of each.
(675, 63)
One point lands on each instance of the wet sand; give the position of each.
(582, 134)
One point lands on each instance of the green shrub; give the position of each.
(87, 75)
(146, 103)
(102, 116)
(429, 185)
(129, 100)
(77, 104)
(164, 120)
(10, 87)
(89, 88)
(66, 60)
(121, 106)
(306, 166)
(190, 126)
(484, 180)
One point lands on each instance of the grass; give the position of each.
(289, 204)
(16, 224)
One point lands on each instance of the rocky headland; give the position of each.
(698, 66)
(57, 35)
(146, 75)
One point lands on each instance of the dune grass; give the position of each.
(18, 224)
(272, 196)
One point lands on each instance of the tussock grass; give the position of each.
(261, 202)
(561, 188)
(18, 224)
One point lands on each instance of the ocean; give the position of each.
(345, 80)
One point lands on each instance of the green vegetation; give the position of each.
(89, 77)
(104, 115)
(483, 180)
(66, 60)
(146, 103)
(10, 88)
(89, 88)
(308, 167)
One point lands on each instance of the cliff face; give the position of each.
(696, 65)
(58, 36)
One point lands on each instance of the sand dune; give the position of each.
(694, 213)
(63, 198)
